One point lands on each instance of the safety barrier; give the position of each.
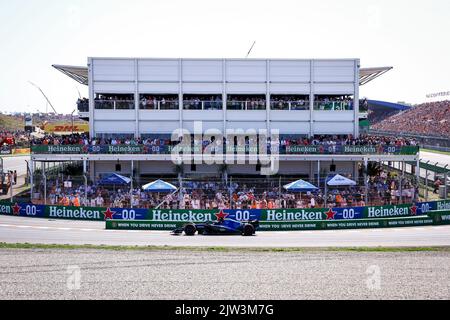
(272, 215)
(420, 214)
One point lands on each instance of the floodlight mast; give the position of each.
(48, 101)
(251, 49)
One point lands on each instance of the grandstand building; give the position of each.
(150, 98)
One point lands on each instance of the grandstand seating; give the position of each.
(430, 119)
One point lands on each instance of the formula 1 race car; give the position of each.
(220, 227)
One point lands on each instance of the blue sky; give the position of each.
(410, 35)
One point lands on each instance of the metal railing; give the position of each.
(246, 105)
(114, 104)
(289, 105)
(159, 105)
(202, 105)
(333, 105)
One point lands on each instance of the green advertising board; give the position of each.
(289, 150)
(291, 226)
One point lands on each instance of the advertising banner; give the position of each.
(21, 151)
(22, 210)
(275, 215)
(5, 151)
(66, 128)
(290, 150)
(291, 226)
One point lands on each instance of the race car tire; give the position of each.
(249, 230)
(190, 230)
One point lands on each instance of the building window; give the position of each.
(289, 102)
(246, 102)
(159, 102)
(106, 101)
(333, 102)
(203, 102)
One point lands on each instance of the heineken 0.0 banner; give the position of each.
(275, 215)
(293, 150)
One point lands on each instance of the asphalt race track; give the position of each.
(42, 231)
(180, 274)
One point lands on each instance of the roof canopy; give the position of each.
(368, 74)
(80, 74)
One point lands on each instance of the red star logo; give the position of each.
(221, 215)
(109, 214)
(414, 210)
(331, 214)
(85, 149)
(16, 209)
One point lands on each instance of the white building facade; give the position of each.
(235, 82)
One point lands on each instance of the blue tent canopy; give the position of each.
(159, 186)
(300, 186)
(114, 180)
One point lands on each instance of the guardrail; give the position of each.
(420, 214)
(285, 150)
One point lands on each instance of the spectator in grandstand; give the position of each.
(437, 185)
(425, 119)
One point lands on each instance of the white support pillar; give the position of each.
(131, 185)
(91, 98)
(417, 198)
(318, 174)
(31, 179)
(136, 97)
(224, 96)
(366, 182)
(180, 92)
(356, 98)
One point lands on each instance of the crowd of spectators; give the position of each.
(337, 103)
(114, 102)
(83, 104)
(364, 140)
(425, 119)
(246, 103)
(387, 188)
(203, 103)
(82, 139)
(290, 103)
(149, 102)
(17, 138)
